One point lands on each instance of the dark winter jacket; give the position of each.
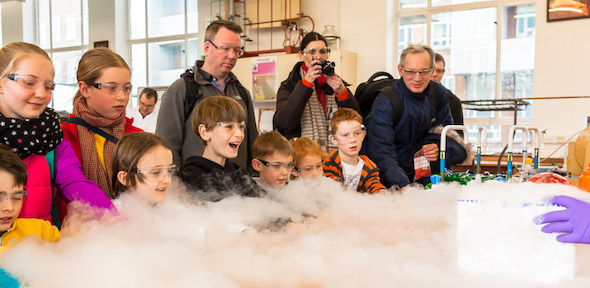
(292, 99)
(393, 149)
(215, 181)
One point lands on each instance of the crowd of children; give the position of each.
(97, 154)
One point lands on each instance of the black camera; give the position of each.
(327, 67)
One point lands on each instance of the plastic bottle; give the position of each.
(421, 165)
(584, 180)
(258, 95)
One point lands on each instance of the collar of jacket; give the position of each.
(204, 77)
(424, 93)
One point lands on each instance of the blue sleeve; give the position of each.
(7, 281)
(443, 116)
(381, 136)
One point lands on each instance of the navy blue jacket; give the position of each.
(393, 149)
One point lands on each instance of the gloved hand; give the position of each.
(574, 221)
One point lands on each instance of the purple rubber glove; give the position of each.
(574, 221)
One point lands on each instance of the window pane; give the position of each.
(467, 41)
(138, 71)
(44, 33)
(137, 19)
(192, 16)
(166, 62)
(65, 64)
(453, 2)
(165, 18)
(192, 52)
(66, 23)
(518, 55)
(412, 30)
(412, 4)
(85, 11)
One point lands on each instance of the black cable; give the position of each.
(500, 158)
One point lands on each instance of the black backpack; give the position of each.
(367, 92)
(193, 94)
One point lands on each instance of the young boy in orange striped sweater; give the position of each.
(345, 165)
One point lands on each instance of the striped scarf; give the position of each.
(315, 121)
(93, 169)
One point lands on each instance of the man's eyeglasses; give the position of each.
(352, 134)
(422, 73)
(14, 198)
(278, 166)
(323, 52)
(32, 82)
(231, 127)
(113, 88)
(225, 49)
(156, 173)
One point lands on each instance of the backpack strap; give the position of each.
(81, 122)
(396, 103)
(192, 92)
(51, 162)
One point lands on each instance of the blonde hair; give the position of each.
(344, 114)
(304, 146)
(270, 142)
(216, 109)
(13, 53)
(128, 152)
(93, 62)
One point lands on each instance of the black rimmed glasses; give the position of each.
(278, 166)
(32, 82)
(113, 88)
(226, 49)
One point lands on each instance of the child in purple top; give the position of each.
(33, 131)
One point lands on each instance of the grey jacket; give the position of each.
(180, 135)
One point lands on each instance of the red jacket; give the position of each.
(71, 134)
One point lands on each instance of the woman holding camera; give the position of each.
(311, 93)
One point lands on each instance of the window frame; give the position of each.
(148, 40)
(429, 10)
(83, 47)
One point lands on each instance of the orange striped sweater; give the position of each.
(369, 182)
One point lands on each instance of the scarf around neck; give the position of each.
(91, 165)
(35, 135)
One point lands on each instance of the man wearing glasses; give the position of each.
(212, 77)
(146, 115)
(393, 145)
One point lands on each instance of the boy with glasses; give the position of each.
(273, 158)
(345, 165)
(220, 123)
(13, 177)
(393, 145)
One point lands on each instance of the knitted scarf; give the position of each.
(315, 120)
(28, 136)
(93, 169)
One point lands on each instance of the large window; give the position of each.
(489, 50)
(163, 41)
(63, 33)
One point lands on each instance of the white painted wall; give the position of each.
(561, 69)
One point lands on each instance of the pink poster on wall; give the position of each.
(264, 78)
